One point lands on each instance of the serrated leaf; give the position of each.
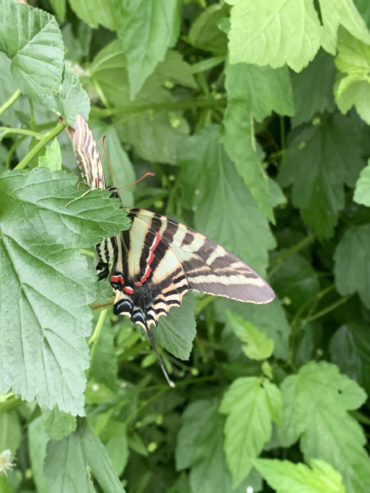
(352, 86)
(258, 346)
(70, 98)
(340, 12)
(251, 405)
(95, 12)
(316, 405)
(286, 477)
(317, 166)
(200, 447)
(68, 464)
(213, 188)
(45, 286)
(270, 319)
(38, 439)
(352, 263)
(317, 80)
(57, 423)
(362, 191)
(285, 32)
(31, 38)
(177, 331)
(147, 29)
(52, 158)
(244, 103)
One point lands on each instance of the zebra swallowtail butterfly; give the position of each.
(158, 260)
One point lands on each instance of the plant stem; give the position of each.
(94, 338)
(184, 104)
(13, 98)
(328, 309)
(22, 131)
(280, 259)
(35, 150)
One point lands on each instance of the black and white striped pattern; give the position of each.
(158, 260)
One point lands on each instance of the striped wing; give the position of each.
(158, 260)
(87, 154)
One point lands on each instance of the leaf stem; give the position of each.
(280, 259)
(184, 104)
(35, 150)
(94, 338)
(21, 131)
(328, 309)
(13, 98)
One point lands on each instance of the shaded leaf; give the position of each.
(32, 40)
(362, 191)
(52, 158)
(204, 32)
(58, 424)
(95, 12)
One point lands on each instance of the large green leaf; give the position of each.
(317, 166)
(352, 263)
(286, 477)
(278, 33)
(32, 39)
(95, 12)
(68, 464)
(252, 404)
(224, 209)
(316, 405)
(45, 286)
(147, 29)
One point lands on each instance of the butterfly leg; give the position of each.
(152, 342)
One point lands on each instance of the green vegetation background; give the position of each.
(254, 116)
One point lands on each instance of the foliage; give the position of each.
(254, 117)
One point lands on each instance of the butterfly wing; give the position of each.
(87, 154)
(158, 260)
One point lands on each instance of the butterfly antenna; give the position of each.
(149, 173)
(152, 342)
(110, 167)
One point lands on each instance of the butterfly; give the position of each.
(157, 260)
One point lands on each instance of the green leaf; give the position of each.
(181, 485)
(287, 32)
(114, 437)
(213, 188)
(177, 331)
(350, 350)
(286, 477)
(147, 29)
(317, 80)
(45, 287)
(70, 98)
(363, 7)
(52, 158)
(10, 432)
(270, 319)
(353, 85)
(205, 34)
(362, 191)
(59, 7)
(32, 39)
(251, 405)
(68, 464)
(296, 280)
(58, 424)
(38, 439)
(7, 87)
(352, 261)
(95, 12)
(253, 92)
(316, 405)
(200, 446)
(341, 12)
(104, 366)
(258, 346)
(317, 166)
